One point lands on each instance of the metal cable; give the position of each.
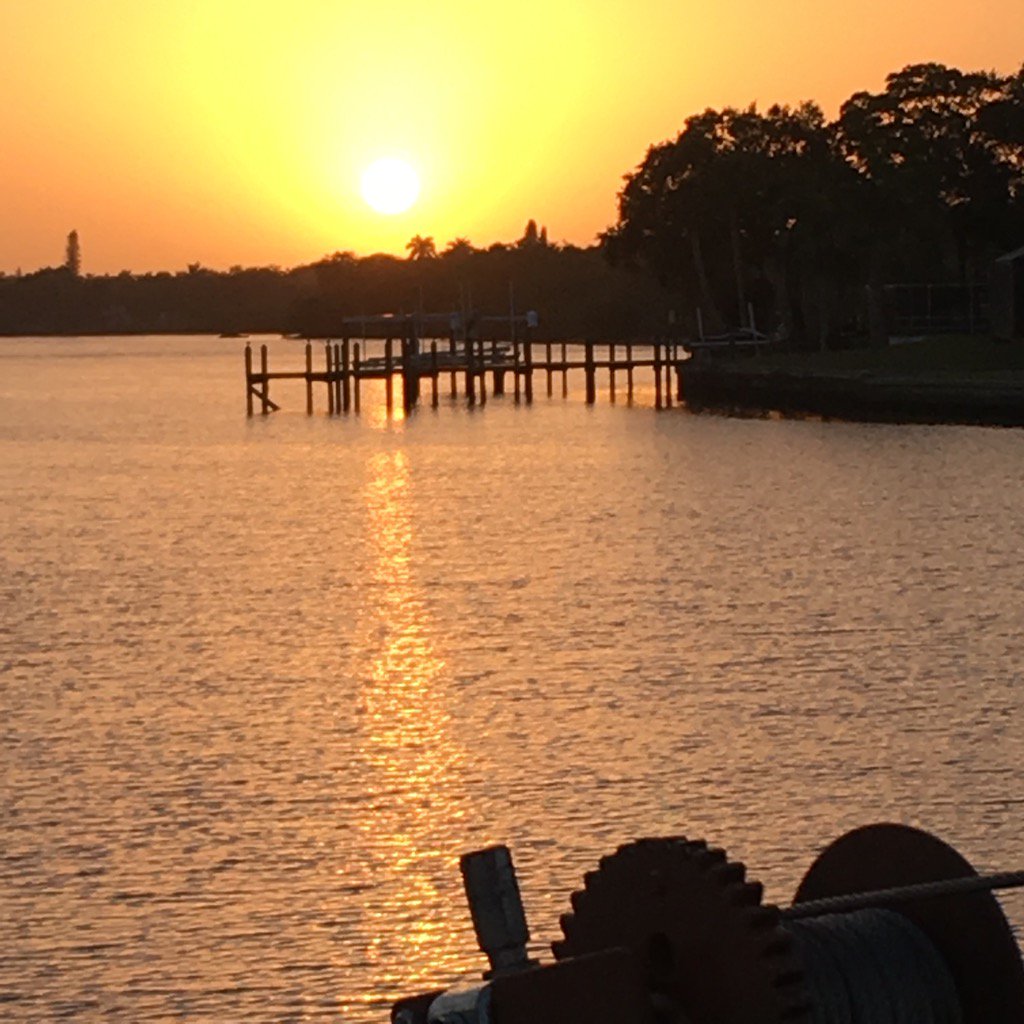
(922, 890)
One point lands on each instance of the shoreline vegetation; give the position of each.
(957, 379)
(902, 216)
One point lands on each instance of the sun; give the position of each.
(390, 185)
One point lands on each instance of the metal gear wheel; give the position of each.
(711, 952)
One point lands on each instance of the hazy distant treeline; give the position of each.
(576, 292)
(797, 219)
(805, 220)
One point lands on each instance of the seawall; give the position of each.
(864, 396)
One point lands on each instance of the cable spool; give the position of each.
(873, 965)
(955, 947)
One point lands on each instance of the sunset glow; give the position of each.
(390, 186)
(237, 132)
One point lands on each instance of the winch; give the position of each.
(890, 925)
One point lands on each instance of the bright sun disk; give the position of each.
(390, 185)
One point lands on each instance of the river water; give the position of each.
(264, 680)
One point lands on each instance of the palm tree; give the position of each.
(421, 248)
(458, 247)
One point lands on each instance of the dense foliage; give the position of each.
(577, 293)
(802, 220)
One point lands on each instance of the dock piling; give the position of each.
(389, 372)
(346, 377)
(668, 376)
(410, 374)
(265, 395)
(309, 379)
(328, 377)
(248, 380)
(657, 374)
(470, 372)
(355, 376)
(337, 377)
(589, 372)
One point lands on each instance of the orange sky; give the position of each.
(235, 131)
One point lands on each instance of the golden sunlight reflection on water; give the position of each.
(412, 757)
(263, 681)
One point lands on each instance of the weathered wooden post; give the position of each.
(355, 376)
(517, 383)
(482, 371)
(611, 372)
(410, 372)
(403, 369)
(328, 371)
(470, 377)
(550, 373)
(528, 361)
(346, 377)
(248, 380)
(266, 380)
(668, 376)
(657, 373)
(415, 366)
(629, 371)
(565, 371)
(309, 379)
(454, 377)
(497, 370)
(389, 369)
(433, 374)
(588, 372)
(337, 377)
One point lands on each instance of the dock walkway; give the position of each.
(470, 367)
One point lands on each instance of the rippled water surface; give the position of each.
(264, 680)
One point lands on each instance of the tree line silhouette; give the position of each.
(577, 292)
(781, 215)
(803, 220)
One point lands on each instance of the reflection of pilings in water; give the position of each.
(346, 365)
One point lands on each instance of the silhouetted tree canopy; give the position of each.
(792, 217)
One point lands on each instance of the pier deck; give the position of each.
(470, 368)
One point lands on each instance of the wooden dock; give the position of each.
(472, 369)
